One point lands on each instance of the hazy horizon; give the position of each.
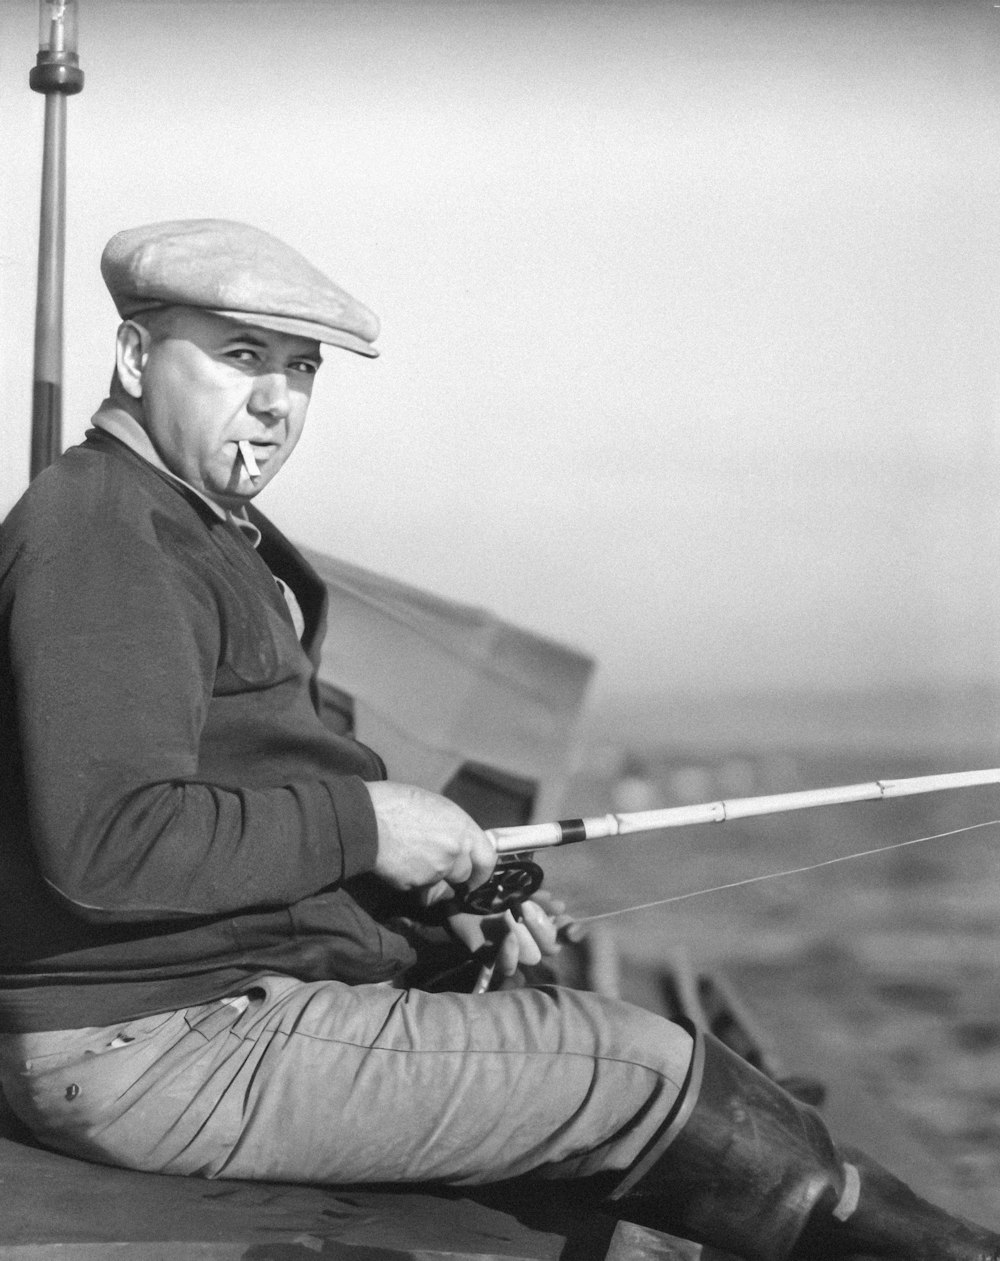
(689, 310)
(958, 723)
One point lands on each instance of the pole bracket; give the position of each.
(60, 73)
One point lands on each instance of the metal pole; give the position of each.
(46, 401)
(56, 74)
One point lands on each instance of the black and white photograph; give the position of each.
(499, 643)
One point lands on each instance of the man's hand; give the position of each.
(508, 942)
(427, 843)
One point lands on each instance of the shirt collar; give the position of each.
(123, 426)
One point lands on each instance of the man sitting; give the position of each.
(190, 981)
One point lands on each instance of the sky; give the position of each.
(689, 310)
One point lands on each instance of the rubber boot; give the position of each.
(891, 1221)
(745, 1167)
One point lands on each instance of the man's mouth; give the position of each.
(249, 458)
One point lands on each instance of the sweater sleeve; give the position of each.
(114, 649)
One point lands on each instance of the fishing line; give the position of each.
(777, 875)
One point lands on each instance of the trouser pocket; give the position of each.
(66, 1084)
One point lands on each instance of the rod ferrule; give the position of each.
(56, 72)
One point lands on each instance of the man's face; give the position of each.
(209, 383)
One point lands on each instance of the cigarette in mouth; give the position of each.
(250, 463)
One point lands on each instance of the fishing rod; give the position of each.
(57, 75)
(516, 877)
(569, 831)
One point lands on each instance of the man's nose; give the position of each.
(269, 396)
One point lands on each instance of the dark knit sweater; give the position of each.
(175, 819)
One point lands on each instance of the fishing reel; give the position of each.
(515, 878)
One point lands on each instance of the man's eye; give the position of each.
(241, 354)
(306, 366)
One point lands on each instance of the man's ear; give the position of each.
(131, 353)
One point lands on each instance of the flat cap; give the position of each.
(234, 270)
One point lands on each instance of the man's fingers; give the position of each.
(509, 952)
(472, 865)
(459, 872)
(540, 928)
(508, 941)
(567, 929)
(550, 904)
(468, 929)
(527, 947)
(482, 860)
(432, 894)
(517, 946)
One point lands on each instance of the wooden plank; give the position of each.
(54, 1206)
(636, 1243)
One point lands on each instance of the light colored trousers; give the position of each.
(330, 1083)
